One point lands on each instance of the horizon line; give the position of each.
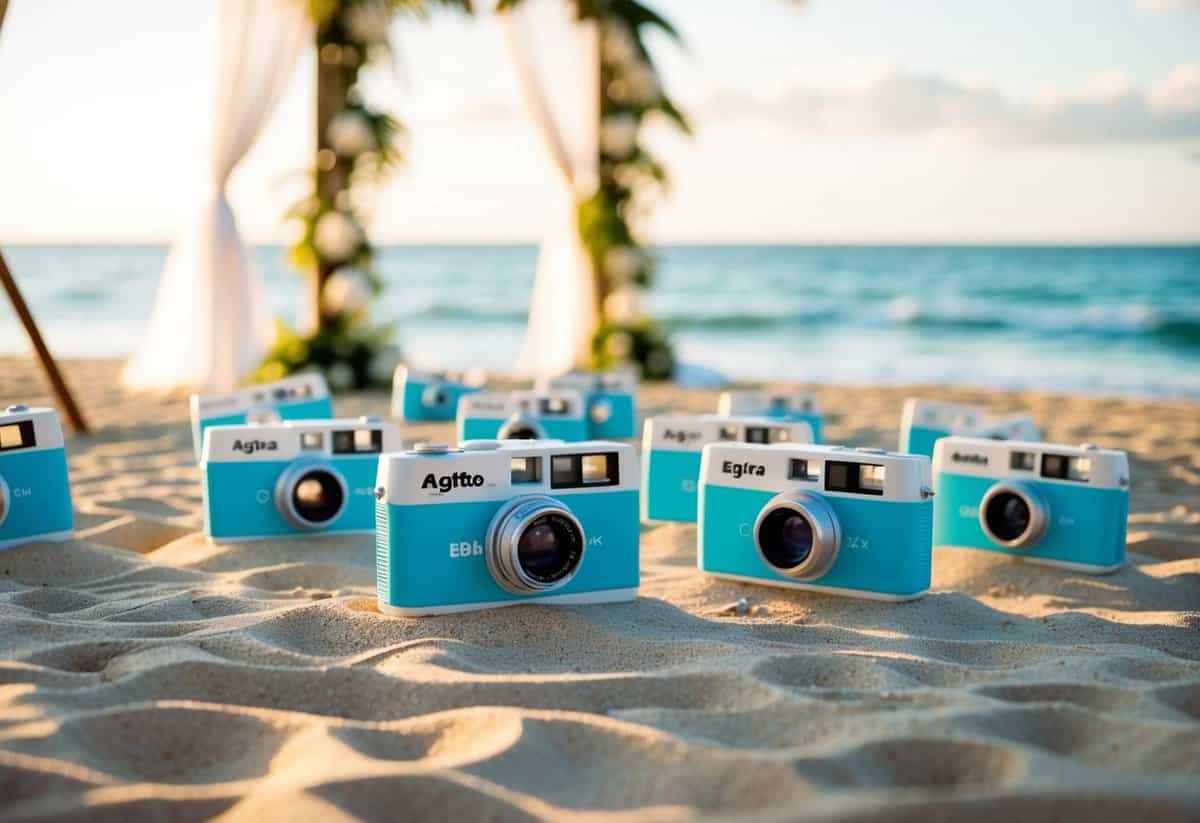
(897, 242)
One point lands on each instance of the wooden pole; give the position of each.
(335, 75)
(35, 337)
(61, 392)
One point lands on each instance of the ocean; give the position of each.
(1111, 320)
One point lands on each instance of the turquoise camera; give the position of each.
(924, 422)
(550, 414)
(1046, 503)
(498, 524)
(291, 479)
(300, 397)
(611, 399)
(833, 519)
(425, 396)
(35, 490)
(671, 448)
(790, 406)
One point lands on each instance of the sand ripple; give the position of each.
(147, 673)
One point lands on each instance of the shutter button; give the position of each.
(431, 448)
(480, 445)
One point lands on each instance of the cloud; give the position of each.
(899, 103)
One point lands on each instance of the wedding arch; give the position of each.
(210, 327)
(593, 263)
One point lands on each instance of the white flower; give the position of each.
(349, 134)
(641, 83)
(619, 344)
(383, 364)
(367, 21)
(336, 236)
(618, 134)
(617, 45)
(623, 263)
(346, 292)
(340, 376)
(621, 306)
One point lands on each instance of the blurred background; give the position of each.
(1001, 194)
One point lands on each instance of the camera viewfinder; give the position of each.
(526, 470)
(1023, 461)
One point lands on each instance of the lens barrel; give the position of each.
(435, 396)
(798, 535)
(519, 427)
(310, 494)
(5, 501)
(1013, 515)
(534, 545)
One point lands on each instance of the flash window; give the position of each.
(17, 436)
(1065, 467)
(758, 434)
(574, 471)
(358, 441)
(855, 478)
(312, 441)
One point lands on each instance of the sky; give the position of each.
(826, 121)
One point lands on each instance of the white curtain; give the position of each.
(211, 323)
(557, 65)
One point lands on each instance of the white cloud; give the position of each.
(1106, 110)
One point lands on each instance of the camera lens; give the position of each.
(534, 545)
(318, 497)
(798, 535)
(1007, 516)
(435, 396)
(519, 427)
(1012, 515)
(786, 538)
(548, 549)
(310, 495)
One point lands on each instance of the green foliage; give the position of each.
(349, 354)
(345, 346)
(643, 342)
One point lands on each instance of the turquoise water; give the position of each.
(1111, 320)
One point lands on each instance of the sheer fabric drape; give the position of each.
(211, 322)
(557, 64)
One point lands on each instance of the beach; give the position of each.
(146, 672)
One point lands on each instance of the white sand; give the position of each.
(147, 673)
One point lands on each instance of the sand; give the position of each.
(144, 672)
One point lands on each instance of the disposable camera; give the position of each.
(293, 478)
(300, 397)
(791, 405)
(833, 519)
(611, 398)
(550, 414)
(35, 491)
(498, 524)
(671, 446)
(924, 422)
(423, 396)
(1059, 505)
